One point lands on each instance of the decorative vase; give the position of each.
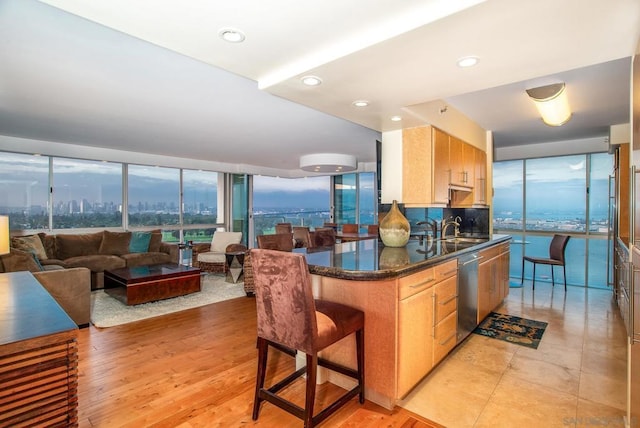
(394, 228)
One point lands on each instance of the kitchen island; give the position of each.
(409, 297)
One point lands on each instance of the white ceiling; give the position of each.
(153, 76)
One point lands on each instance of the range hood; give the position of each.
(459, 188)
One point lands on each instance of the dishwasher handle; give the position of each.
(474, 260)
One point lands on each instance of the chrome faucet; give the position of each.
(455, 222)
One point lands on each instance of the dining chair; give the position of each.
(278, 241)
(556, 258)
(372, 229)
(289, 319)
(302, 237)
(324, 236)
(350, 228)
(283, 228)
(334, 226)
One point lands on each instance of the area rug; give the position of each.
(509, 328)
(108, 312)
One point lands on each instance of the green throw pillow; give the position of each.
(139, 242)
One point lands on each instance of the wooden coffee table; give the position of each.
(143, 284)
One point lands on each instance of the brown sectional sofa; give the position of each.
(69, 266)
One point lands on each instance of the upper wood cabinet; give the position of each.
(434, 162)
(480, 186)
(425, 166)
(461, 162)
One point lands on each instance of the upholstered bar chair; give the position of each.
(290, 320)
(213, 261)
(279, 242)
(556, 258)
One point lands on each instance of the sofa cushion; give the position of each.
(115, 243)
(156, 239)
(139, 242)
(85, 244)
(145, 259)
(31, 244)
(18, 260)
(97, 263)
(49, 243)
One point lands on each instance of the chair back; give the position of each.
(324, 236)
(284, 299)
(557, 247)
(283, 228)
(372, 229)
(221, 240)
(350, 228)
(279, 241)
(302, 236)
(334, 226)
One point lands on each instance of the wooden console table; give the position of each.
(38, 356)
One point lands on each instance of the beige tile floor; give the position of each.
(576, 377)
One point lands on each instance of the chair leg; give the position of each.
(360, 357)
(312, 369)
(522, 277)
(564, 274)
(553, 281)
(263, 348)
(533, 287)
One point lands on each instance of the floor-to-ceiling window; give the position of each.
(536, 198)
(299, 201)
(52, 193)
(355, 199)
(24, 191)
(86, 193)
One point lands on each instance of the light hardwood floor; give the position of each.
(196, 368)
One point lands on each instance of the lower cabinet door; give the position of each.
(415, 340)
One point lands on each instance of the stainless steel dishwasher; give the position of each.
(467, 294)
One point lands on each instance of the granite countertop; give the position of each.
(371, 260)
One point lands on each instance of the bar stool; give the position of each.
(290, 319)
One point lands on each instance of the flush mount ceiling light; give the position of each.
(468, 61)
(231, 35)
(311, 80)
(552, 103)
(328, 162)
(361, 103)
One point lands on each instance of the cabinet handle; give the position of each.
(420, 284)
(433, 315)
(451, 336)
(448, 300)
(451, 272)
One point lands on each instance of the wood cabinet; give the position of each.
(493, 279)
(425, 166)
(480, 187)
(38, 356)
(427, 322)
(434, 162)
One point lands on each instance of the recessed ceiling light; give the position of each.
(396, 118)
(231, 35)
(311, 80)
(361, 103)
(468, 61)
